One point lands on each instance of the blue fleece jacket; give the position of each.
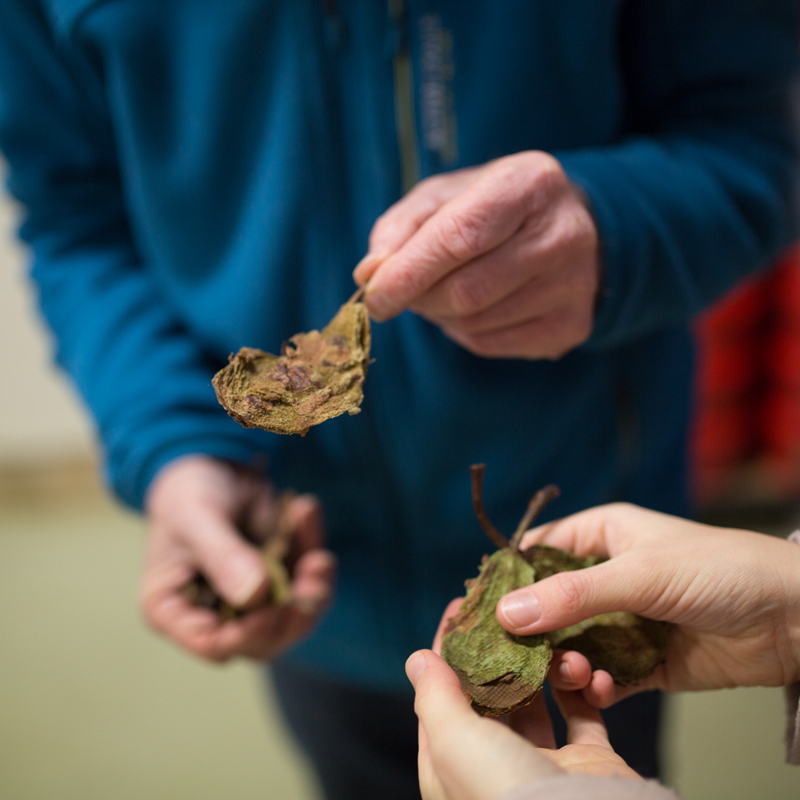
(200, 175)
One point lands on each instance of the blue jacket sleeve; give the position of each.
(146, 382)
(699, 192)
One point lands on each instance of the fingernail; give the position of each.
(380, 308)
(249, 584)
(365, 267)
(520, 610)
(415, 666)
(566, 672)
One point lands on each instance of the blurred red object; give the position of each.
(747, 390)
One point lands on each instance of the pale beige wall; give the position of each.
(40, 419)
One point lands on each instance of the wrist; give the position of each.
(185, 470)
(793, 610)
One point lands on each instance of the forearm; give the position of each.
(578, 787)
(792, 693)
(145, 380)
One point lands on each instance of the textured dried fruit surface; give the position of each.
(625, 645)
(547, 561)
(500, 672)
(319, 375)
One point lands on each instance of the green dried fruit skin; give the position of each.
(319, 375)
(625, 645)
(547, 561)
(498, 671)
(501, 672)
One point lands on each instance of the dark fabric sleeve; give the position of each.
(699, 192)
(145, 380)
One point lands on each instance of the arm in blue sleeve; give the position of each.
(146, 382)
(698, 194)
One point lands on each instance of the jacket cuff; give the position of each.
(129, 477)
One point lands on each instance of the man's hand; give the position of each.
(195, 506)
(466, 757)
(503, 258)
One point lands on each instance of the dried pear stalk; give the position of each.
(276, 550)
(501, 672)
(318, 376)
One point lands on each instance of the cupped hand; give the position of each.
(732, 596)
(467, 757)
(502, 257)
(194, 507)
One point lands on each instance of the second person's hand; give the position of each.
(732, 596)
(467, 757)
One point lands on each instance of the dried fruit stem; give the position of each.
(537, 503)
(357, 294)
(477, 471)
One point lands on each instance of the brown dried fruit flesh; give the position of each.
(318, 376)
(501, 672)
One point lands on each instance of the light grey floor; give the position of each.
(93, 706)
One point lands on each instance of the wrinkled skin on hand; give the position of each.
(503, 258)
(318, 376)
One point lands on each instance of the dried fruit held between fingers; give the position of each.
(319, 375)
(501, 672)
(625, 645)
(276, 548)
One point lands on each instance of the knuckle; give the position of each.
(461, 237)
(547, 180)
(468, 294)
(580, 284)
(569, 592)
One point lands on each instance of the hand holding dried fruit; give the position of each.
(730, 595)
(463, 756)
(319, 375)
(274, 542)
(502, 672)
(198, 508)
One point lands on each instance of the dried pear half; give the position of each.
(318, 376)
(501, 672)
